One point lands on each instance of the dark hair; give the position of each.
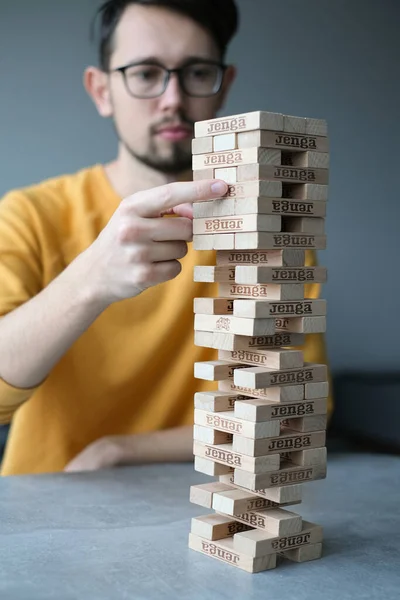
(219, 17)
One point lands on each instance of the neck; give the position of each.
(128, 175)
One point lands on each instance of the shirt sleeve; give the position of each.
(20, 276)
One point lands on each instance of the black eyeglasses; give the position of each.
(150, 79)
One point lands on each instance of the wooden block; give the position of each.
(276, 521)
(216, 527)
(307, 191)
(316, 390)
(251, 327)
(228, 341)
(301, 324)
(267, 291)
(223, 454)
(264, 308)
(213, 306)
(223, 551)
(224, 241)
(304, 553)
(294, 124)
(210, 467)
(206, 435)
(228, 174)
(303, 225)
(271, 241)
(290, 393)
(272, 258)
(309, 457)
(255, 171)
(285, 476)
(262, 274)
(316, 127)
(268, 206)
(314, 160)
(273, 359)
(216, 401)
(290, 441)
(237, 123)
(247, 156)
(210, 274)
(264, 410)
(258, 543)
(223, 142)
(227, 423)
(221, 207)
(203, 493)
(215, 370)
(235, 224)
(202, 145)
(306, 424)
(199, 175)
(288, 494)
(250, 189)
(262, 377)
(284, 141)
(234, 501)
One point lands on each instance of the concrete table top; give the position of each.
(123, 534)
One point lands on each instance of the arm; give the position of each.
(170, 445)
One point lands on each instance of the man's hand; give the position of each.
(169, 445)
(139, 248)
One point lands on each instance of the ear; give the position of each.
(96, 84)
(229, 78)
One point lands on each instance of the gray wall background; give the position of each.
(335, 59)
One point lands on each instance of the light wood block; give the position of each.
(203, 493)
(262, 274)
(309, 457)
(304, 553)
(266, 291)
(303, 225)
(285, 476)
(313, 160)
(316, 422)
(216, 527)
(277, 522)
(284, 141)
(268, 206)
(284, 173)
(207, 435)
(228, 341)
(215, 370)
(262, 377)
(301, 324)
(223, 551)
(210, 467)
(222, 207)
(227, 423)
(316, 390)
(202, 145)
(234, 501)
(288, 494)
(259, 410)
(211, 274)
(273, 359)
(228, 141)
(217, 401)
(316, 127)
(221, 241)
(271, 241)
(247, 156)
(213, 306)
(286, 442)
(294, 124)
(251, 327)
(263, 308)
(307, 191)
(251, 189)
(228, 174)
(258, 543)
(290, 393)
(240, 122)
(272, 258)
(237, 224)
(223, 454)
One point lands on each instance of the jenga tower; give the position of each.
(262, 433)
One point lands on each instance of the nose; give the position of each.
(172, 98)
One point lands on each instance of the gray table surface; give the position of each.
(123, 534)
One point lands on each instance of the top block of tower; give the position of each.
(260, 120)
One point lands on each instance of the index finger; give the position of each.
(153, 202)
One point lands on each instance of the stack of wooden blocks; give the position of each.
(262, 433)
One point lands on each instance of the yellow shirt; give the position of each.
(132, 370)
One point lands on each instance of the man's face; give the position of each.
(158, 131)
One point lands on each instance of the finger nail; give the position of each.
(219, 188)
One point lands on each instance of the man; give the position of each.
(96, 337)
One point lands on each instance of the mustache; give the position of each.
(173, 121)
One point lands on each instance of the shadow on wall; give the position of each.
(3, 438)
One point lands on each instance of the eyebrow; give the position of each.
(155, 60)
